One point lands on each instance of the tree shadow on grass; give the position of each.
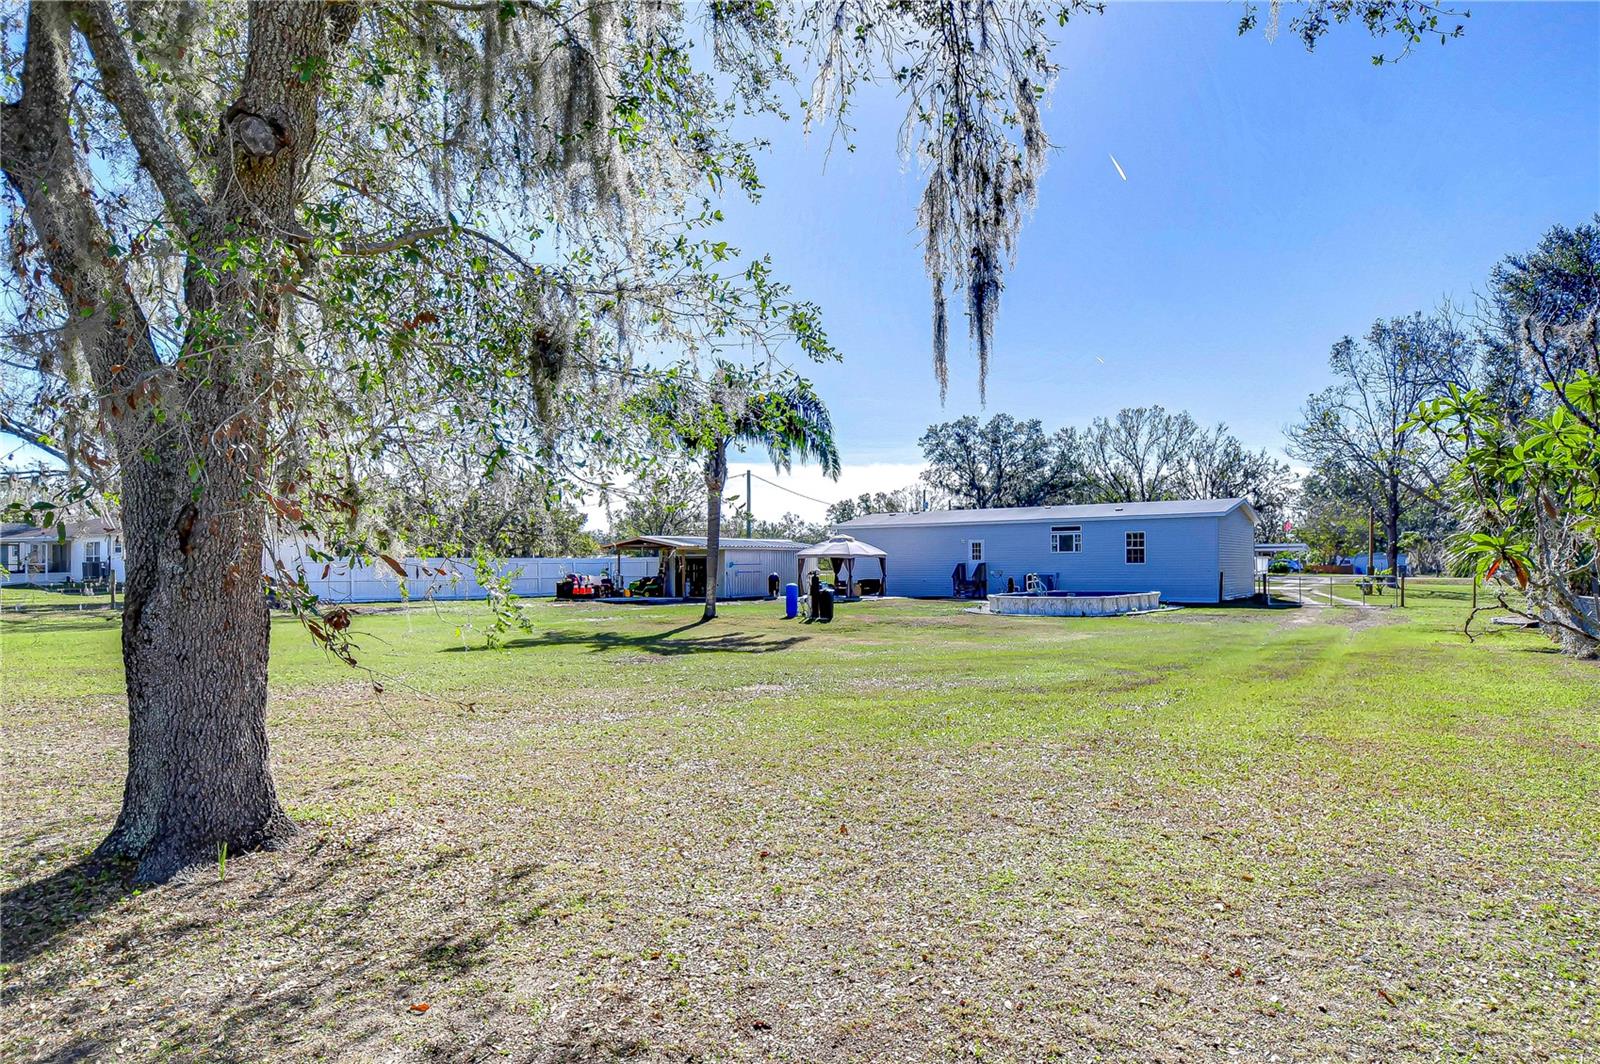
(666, 644)
(36, 914)
(54, 621)
(41, 917)
(1253, 604)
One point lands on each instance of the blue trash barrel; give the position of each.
(791, 601)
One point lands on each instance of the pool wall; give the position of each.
(1098, 604)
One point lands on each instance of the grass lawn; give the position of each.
(32, 597)
(917, 833)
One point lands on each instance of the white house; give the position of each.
(88, 551)
(1199, 550)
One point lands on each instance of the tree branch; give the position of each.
(120, 80)
(39, 161)
(404, 240)
(31, 435)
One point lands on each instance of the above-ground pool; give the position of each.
(1074, 603)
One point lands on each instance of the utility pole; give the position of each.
(1372, 522)
(749, 512)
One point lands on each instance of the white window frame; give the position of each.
(1072, 534)
(91, 550)
(116, 546)
(1128, 548)
(974, 556)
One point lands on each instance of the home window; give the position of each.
(1066, 539)
(116, 546)
(975, 550)
(1135, 548)
(91, 551)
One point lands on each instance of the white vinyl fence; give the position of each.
(531, 577)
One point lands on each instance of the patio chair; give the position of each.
(960, 586)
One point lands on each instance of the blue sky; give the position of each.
(1275, 200)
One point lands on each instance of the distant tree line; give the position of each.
(1140, 454)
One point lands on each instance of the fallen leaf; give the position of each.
(1385, 995)
(420, 1007)
(1237, 973)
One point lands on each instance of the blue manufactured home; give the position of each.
(1199, 550)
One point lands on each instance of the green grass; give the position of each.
(32, 597)
(915, 833)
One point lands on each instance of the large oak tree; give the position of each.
(262, 251)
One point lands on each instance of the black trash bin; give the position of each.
(824, 606)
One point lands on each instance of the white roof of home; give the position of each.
(22, 533)
(1099, 511)
(699, 542)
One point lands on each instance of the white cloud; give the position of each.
(772, 502)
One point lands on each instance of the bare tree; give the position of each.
(1217, 466)
(1138, 455)
(1363, 424)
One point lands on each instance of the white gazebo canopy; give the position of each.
(843, 552)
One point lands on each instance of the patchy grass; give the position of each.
(914, 834)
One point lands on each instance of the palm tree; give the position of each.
(747, 408)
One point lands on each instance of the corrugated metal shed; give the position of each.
(744, 563)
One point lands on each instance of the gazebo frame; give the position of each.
(819, 551)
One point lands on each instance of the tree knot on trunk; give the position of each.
(260, 136)
(185, 526)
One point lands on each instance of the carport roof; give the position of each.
(699, 543)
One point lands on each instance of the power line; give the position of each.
(791, 491)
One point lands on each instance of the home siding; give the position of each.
(745, 571)
(1237, 555)
(79, 547)
(1182, 555)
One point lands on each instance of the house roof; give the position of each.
(699, 542)
(1099, 511)
(20, 533)
(29, 534)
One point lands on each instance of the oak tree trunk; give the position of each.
(195, 622)
(194, 644)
